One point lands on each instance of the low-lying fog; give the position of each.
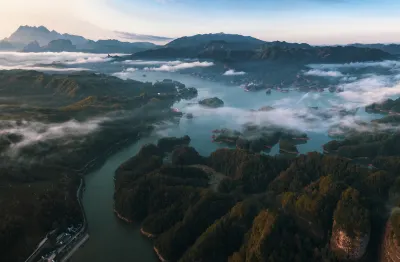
(362, 84)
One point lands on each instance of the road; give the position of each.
(67, 250)
(37, 251)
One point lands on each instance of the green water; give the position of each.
(114, 240)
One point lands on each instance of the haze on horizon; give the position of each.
(311, 21)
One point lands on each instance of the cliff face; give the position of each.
(351, 226)
(347, 246)
(390, 247)
(265, 209)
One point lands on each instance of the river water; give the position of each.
(114, 240)
(110, 238)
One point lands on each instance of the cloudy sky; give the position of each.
(312, 21)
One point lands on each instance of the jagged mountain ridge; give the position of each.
(27, 34)
(231, 52)
(41, 39)
(389, 48)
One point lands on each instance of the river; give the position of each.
(114, 240)
(110, 238)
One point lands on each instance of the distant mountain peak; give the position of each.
(39, 28)
(44, 29)
(204, 39)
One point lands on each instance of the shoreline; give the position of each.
(146, 234)
(122, 217)
(160, 257)
(288, 152)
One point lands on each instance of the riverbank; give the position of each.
(113, 237)
(147, 234)
(122, 217)
(160, 257)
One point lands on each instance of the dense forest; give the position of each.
(39, 178)
(313, 207)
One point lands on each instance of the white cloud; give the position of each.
(48, 61)
(369, 90)
(384, 64)
(34, 132)
(317, 72)
(145, 62)
(181, 66)
(232, 72)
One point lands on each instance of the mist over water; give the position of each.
(49, 61)
(291, 110)
(33, 132)
(111, 239)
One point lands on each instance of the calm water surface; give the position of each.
(114, 240)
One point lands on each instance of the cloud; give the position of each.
(181, 66)
(385, 64)
(317, 72)
(48, 61)
(34, 132)
(85, 60)
(139, 37)
(293, 112)
(126, 73)
(369, 90)
(145, 62)
(232, 72)
(45, 68)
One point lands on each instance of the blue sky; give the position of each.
(313, 21)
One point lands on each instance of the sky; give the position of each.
(311, 21)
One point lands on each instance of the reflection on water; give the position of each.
(112, 239)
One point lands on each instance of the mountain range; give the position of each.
(41, 39)
(220, 46)
(390, 48)
(236, 48)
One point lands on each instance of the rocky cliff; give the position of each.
(351, 227)
(391, 240)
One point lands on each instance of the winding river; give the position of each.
(114, 240)
(110, 238)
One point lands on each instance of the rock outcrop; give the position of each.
(386, 107)
(263, 208)
(186, 155)
(59, 45)
(391, 240)
(168, 144)
(351, 227)
(213, 102)
(32, 47)
(287, 147)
